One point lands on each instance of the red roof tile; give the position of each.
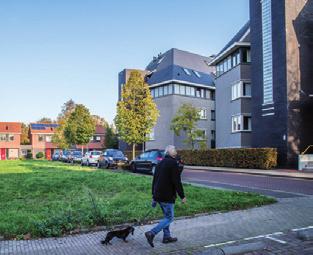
(10, 127)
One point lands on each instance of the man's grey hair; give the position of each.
(171, 150)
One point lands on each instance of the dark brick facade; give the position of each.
(290, 128)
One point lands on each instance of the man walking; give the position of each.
(166, 183)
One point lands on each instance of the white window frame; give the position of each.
(203, 113)
(237, 90)
(238, 120)
(197, 74)
(151, 135)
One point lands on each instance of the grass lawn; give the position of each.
(44, 198)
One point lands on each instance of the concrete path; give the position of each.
(276, 172)
(192, 233)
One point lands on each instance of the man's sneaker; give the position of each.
(150, 236)
(169, 240)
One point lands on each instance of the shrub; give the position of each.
(40, 155)
(260, 158)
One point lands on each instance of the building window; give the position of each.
(176, 89)
(170, 89)
(188, 91)
(201, 134)
(3, 137)
(236, 91)
(187, 71)
(198, 92)
(48, 138)
(241, 123)
(156, 92)
(203, 114)
(240, 89)
(267, 51)
(161, 91)
(213, 95)
(212, 115)
(40, 138)
(96, 138)
(247, 89)
(152, 93)
(165, 90)
(197, 73)
(246, 55)
(182, 90)
(213, 135)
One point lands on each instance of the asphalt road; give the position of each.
(278, 187)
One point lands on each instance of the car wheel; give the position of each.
(133, 168)
(98, 165)
(87, 164)
(153, 170)
(106, 164)
(81, 163)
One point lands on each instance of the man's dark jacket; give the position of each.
(167, 181)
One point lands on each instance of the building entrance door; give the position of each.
(2, 154)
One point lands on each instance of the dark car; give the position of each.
(112, 158)
(75, 157)
(64, 156)
(147, 161)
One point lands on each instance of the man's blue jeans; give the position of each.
(164, 224)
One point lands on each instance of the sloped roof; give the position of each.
(43, 127)
(242, 36)
(10, 127)
(171, 64)
(100, 129)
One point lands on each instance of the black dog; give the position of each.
(122, 234)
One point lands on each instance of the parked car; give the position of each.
(56, 156)
(147, 161)
(75, 157)
(90, 158)
(64, 156)
(112, 158)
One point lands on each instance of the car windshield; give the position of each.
(95, 153)
(65, 153)
(77, 153)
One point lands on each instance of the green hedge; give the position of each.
(260, 158)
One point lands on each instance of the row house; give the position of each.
(10, 140)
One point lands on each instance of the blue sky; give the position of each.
(51, 51)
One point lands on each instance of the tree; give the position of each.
(67, 108)
(25, 134)
(136, 112)
(58, 137)
(100, 121)
(185, 120)
(111, 139)
(45, 120)
(80, 126)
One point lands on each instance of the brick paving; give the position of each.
(193, 234)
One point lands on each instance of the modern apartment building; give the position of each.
(233, 92)
(10, 140)
(282, 90)
(175, 78)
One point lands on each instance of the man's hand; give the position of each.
(184, 200)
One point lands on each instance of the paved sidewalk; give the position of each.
(277, 173)
(192, 233)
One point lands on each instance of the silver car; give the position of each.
(90, 158)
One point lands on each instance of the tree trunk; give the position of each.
(134, 149)
(82, 149)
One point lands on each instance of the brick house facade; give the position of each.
(10, 140)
